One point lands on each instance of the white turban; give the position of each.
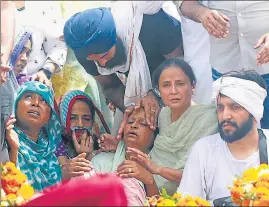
(246, 93)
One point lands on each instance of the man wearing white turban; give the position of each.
(215, 160)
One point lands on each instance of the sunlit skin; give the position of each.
(33, 112)
(81, 115)
(104, 57)
(137, 133)
(23, 58)
(176, 90)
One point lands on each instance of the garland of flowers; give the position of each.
(14, 190)
(176, 200)
(252, 189)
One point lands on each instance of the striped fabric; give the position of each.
(265, 119)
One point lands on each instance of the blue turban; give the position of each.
(92, 31)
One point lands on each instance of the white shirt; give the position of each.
(44, 19)
(211, 168)
(249, 20)
(196, 45)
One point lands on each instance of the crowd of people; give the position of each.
(185, 84)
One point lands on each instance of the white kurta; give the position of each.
(196, 45)
(211, 168)
(45, 20)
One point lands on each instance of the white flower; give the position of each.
(263, 172)
(3, 194)
(4, 203)
(19, 200)
(248, 188)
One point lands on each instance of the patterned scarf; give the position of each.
(21, 39)
(65, 106)
(37, 159)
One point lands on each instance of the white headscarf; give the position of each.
(246, 93)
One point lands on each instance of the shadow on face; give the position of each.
(235, 122)
(32, 111)
(114, 57)
(23, 58)
(137, 133)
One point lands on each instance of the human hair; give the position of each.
(173, 62)
(250, 75)
(89, 103)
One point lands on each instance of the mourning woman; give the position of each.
(33, 133)
(79, 144)
(137, 180)
(181, 123)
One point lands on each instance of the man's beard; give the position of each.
(239, 133)
(119, 58)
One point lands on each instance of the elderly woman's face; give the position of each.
(33, 110)
(175, 88)
(137, 133)
(81, 115)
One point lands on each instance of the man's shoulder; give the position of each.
(209, 142)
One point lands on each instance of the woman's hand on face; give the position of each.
(11, 135)
(132, 169)
(107, 142)
(76, 167)
(143, 159)
(85, 145)
(152, 109)
(126, 115)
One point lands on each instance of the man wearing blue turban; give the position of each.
(131, 41)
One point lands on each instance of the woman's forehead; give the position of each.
(138, 113)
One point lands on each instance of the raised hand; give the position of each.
(132, 169)
(143, 159)
(85, 145)
(263, 55)
(11, 135)
(76, 167)
(107, 142)
(216, 23)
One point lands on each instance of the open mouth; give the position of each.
(175, 99)
(34, 113)
(132, 134)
